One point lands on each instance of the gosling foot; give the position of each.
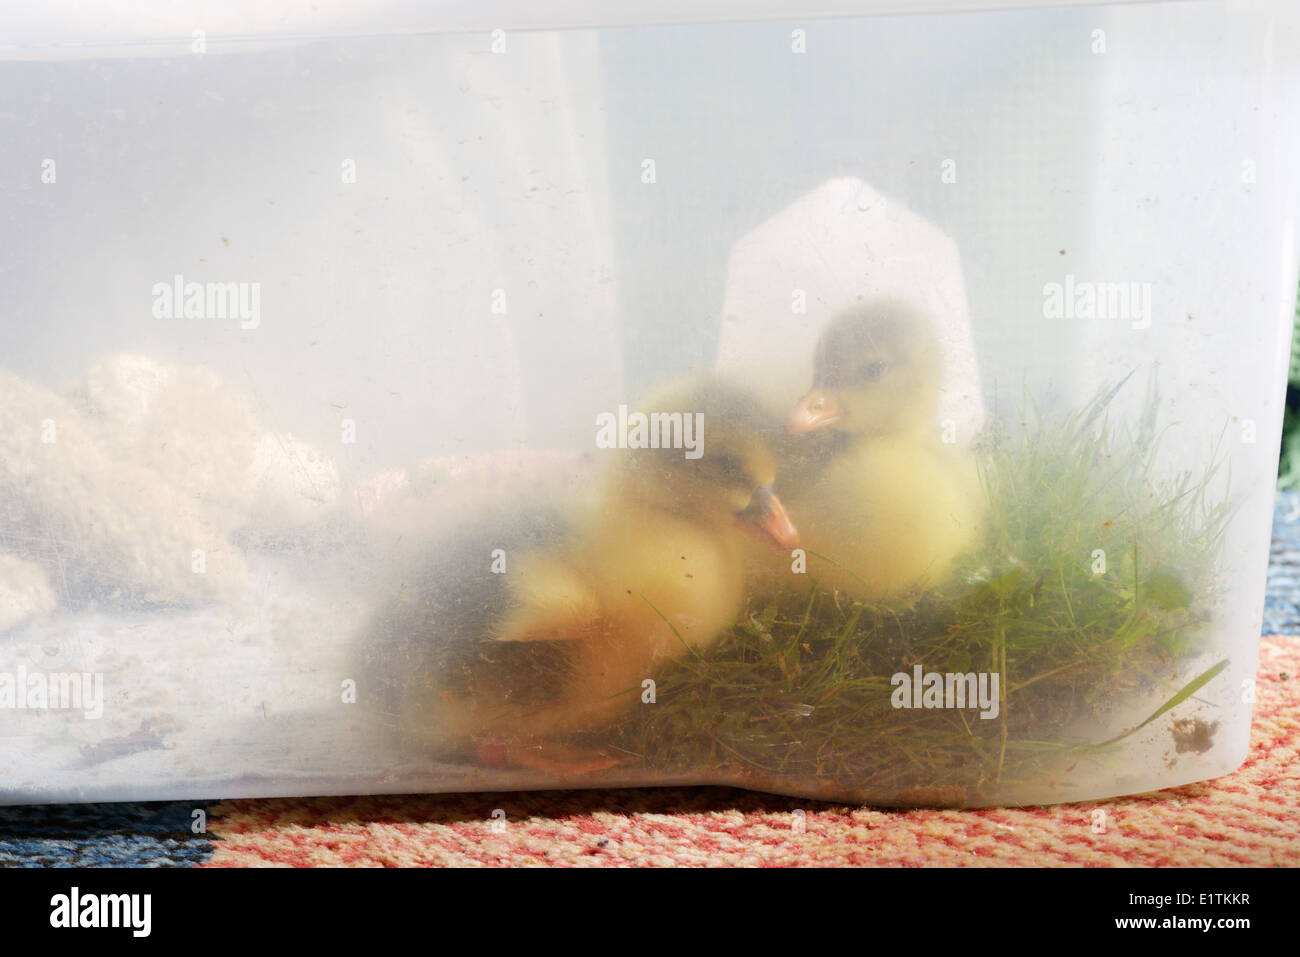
(549, 757)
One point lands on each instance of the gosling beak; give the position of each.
(819, 409)
(765, 517)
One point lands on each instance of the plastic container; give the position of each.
(325, 339)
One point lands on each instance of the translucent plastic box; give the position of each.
(880, 406)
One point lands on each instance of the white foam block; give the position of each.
(842, 242)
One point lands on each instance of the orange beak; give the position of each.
(819, 409)
(767, 519)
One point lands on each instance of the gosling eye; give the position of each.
(873, 370)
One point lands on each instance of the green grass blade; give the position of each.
(1189, 689)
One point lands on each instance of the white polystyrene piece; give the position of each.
(844, 243)
(25, 591)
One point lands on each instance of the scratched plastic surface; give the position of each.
(324, 346)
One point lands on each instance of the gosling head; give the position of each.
(726, 479)
(875, 372)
